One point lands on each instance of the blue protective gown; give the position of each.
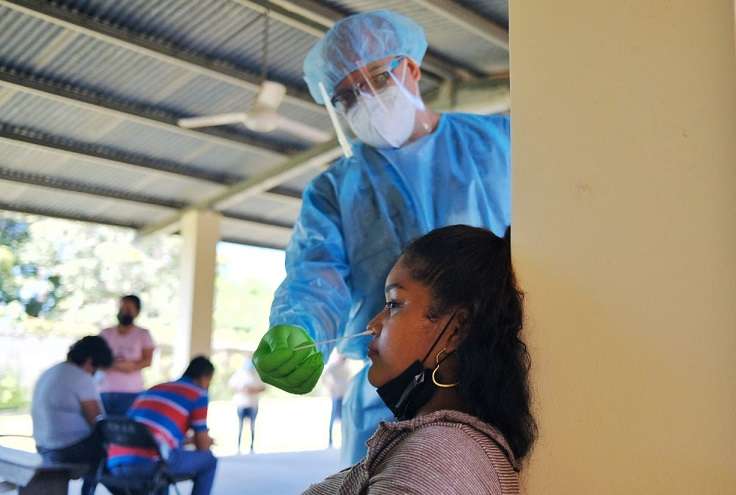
(356, 218)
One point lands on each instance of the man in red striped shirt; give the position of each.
(170, 410)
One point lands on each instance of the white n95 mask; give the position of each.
(384, 120)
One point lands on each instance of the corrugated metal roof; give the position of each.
(48, 115)
(23, 158)
(268, 208)
(128, 76)
(89, 109)
(494, 10)
(223, 29)
(250, 232)
(26, 197)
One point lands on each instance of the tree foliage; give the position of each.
(36, 288)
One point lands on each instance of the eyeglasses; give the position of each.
(346, 98)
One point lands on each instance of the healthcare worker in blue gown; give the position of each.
(410, 171)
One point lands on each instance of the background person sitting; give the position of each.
(170, 410)
(132, 348)
(247, 386)
(66, 405)
(447, 358)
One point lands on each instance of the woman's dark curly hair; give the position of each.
(470, 268)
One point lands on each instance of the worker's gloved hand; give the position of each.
(279, 364)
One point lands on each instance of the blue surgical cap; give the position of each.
(358, 40)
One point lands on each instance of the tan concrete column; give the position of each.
(624, 203)
(200, 231)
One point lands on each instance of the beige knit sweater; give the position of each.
(445, 452)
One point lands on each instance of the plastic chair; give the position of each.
(129, 433)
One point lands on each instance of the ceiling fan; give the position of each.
(263, 116)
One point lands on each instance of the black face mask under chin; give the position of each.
(125, 319)
(413, 388)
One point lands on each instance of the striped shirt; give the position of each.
(169, 410)
(444, 452)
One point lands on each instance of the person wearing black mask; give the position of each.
(448, 360)
(132, 347)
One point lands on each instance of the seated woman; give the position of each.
(448, 360)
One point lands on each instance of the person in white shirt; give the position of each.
(247, 387)
(66, 405)
(336, 379)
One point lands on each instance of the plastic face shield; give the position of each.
(377, 104)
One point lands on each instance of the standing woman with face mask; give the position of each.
(448, 359)
(132, 349)
(409, 171)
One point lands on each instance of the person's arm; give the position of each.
(253, 384)
(202, 440)
(255, 389)
(89, 398)
(315, 294)
(145, 360)
(130, 366)
(91, 410)
(313, 301)
(198, 423)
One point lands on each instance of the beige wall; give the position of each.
(624, 146)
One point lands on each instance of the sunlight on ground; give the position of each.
(283, 425)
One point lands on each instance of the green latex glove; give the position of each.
(280, 365)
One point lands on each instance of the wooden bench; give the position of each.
(32, 476)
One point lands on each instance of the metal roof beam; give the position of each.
(32, 210)
(134, 113)
(150, 46)
(285, 16)
(484, 97)
(240, 242)
(315, 157)
(97, 153)
(469, 20)
(60, 184)
(309, 13)
(28, 210)
(67, 185)
(25, 137)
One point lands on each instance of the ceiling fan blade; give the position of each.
(213, 120)
(303, 131)
(270, 95)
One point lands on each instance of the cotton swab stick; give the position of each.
(331, 341)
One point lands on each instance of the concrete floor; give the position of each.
(290, 441)
(262, 474)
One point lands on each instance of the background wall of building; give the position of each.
(624, 146)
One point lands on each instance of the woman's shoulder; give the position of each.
(449, 447)
(456, 426)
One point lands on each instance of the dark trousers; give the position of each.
(86, 451)
(250, 413)
(198, 465)
(117, 403)
(335, 415)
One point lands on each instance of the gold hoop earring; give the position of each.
(437, 368)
